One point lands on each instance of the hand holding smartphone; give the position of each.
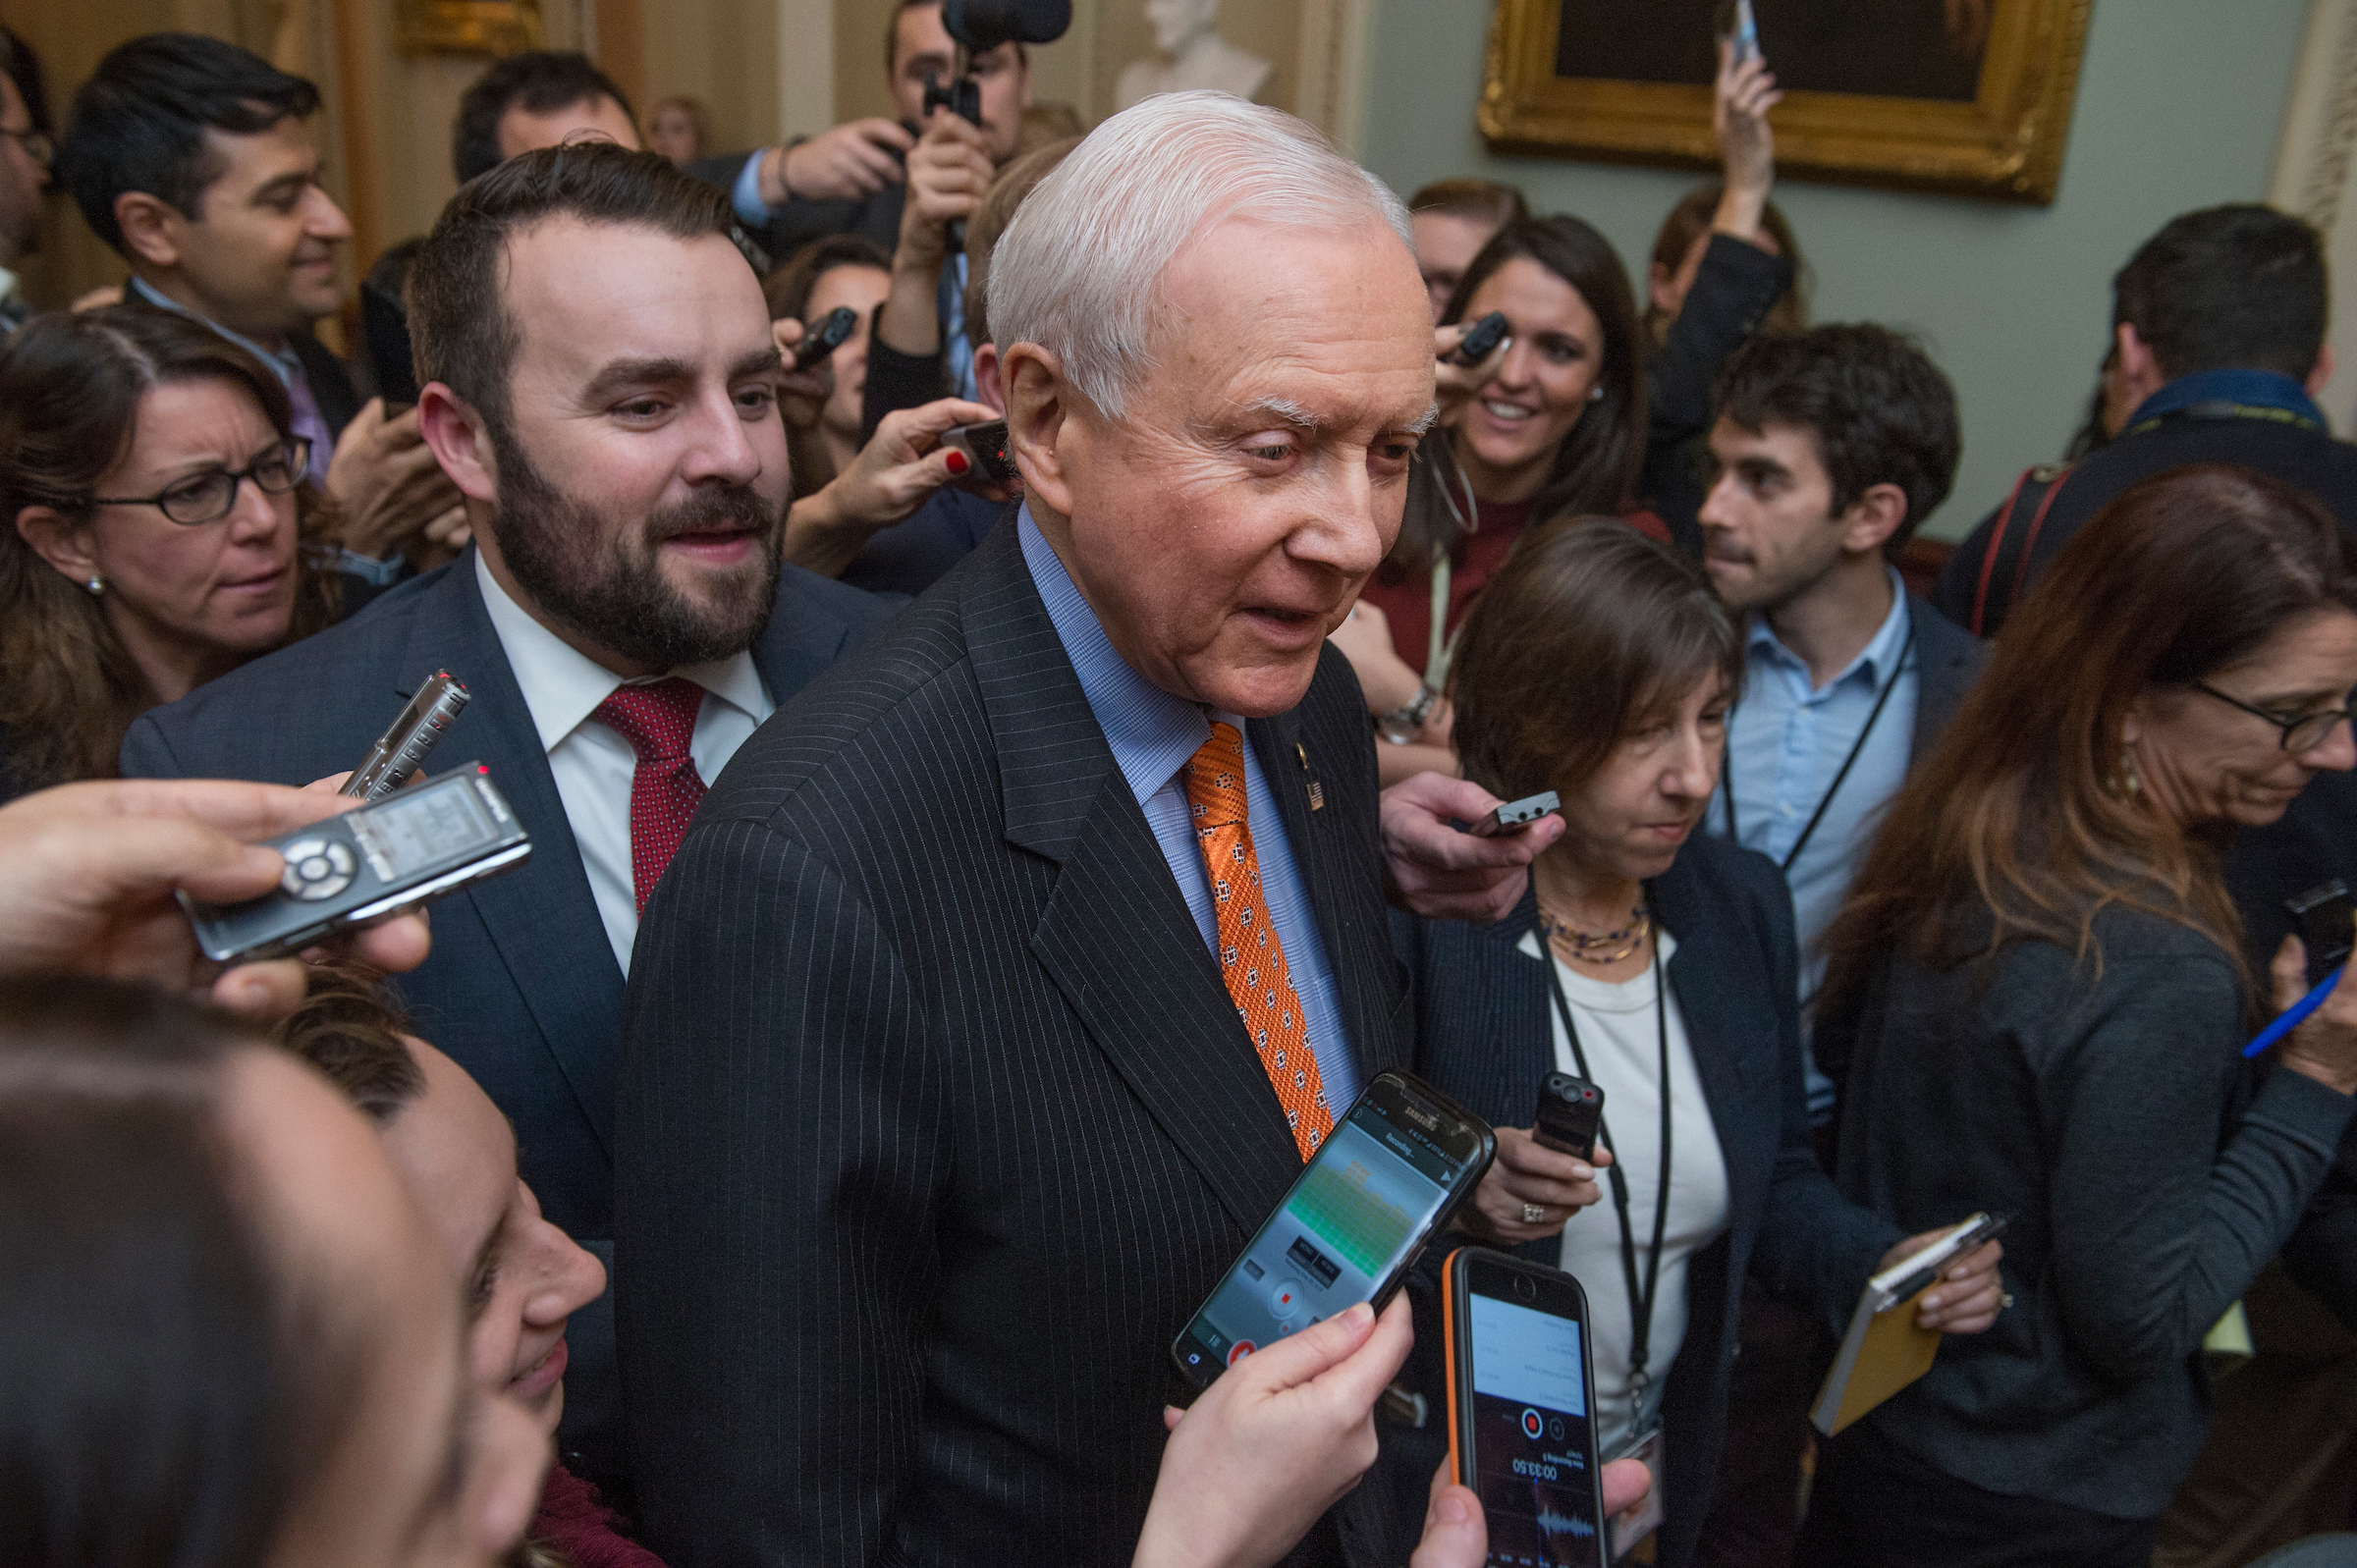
(1396, 1169)
(1521, 1407)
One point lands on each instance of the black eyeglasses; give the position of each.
(206, 497)
(2302, 731)
(38, 147)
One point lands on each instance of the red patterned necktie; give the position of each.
(658, 719)
(1251, 958)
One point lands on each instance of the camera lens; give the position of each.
(1525, 1288)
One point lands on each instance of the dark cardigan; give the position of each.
(2110, 1115)
(1485, 1037)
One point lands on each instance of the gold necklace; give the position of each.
(1609, 948)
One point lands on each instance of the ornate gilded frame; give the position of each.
(2008, 144)
(466, 27)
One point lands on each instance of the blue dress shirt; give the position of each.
(959, 363)
(1785, 740)
(1152, 734)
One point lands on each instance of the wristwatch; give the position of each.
(1404, 724)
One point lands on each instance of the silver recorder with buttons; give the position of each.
(374, 861)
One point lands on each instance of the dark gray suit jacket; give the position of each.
(521, 988)
(1484, 1036)
(1947, 661)
(936, 1122)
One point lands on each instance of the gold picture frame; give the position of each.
(465, 26)
(2006, 142)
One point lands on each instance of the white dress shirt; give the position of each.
(593, 765)
(1624, 1045)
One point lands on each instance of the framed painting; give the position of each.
(1966, 96)
(465, 26)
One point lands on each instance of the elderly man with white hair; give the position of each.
(945, 1098)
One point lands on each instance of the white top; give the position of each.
(1617, 1030)
(593, 765)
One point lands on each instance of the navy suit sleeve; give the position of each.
(147, 752)
(1815, 1245)
(778, 1167)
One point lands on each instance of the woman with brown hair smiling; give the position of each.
(155, 535)
(2034, 1003)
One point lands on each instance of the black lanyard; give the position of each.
(1640, 1303)
(1906, 661)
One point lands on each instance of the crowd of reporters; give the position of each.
(1873, 923)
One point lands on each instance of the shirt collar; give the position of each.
(1876, 658)
(1151, 731)
(2258, 389)
(283, 361)
(563, 685)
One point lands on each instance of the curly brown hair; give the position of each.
(70, 393)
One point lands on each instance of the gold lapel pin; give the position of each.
(1317, 795)
(1302, 753)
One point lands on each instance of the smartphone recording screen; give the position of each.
(1531, 1438)
(1346, 1228)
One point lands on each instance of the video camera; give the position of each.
(978, 27)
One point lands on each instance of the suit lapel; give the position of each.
(541, 917)
(1116, 936)
(1711, 985)
(1314, 837)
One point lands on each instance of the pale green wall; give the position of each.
(2178, 107)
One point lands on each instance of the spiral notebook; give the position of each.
(1886, 1348)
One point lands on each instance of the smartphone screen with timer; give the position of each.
(1522, 1403)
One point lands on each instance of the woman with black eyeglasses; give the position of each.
(2035, 999)
(158, 532)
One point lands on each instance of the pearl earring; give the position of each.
(97, 585)
(1595, 394)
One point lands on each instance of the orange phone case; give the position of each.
(1457, 1458)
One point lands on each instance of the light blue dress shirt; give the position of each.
(1152, 734)
(1785, 740)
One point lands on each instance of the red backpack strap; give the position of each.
(2029, 540)
(2048, 479)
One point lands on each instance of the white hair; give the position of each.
(1078, 270)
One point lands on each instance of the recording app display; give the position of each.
(1348, 1225)
(1531, 1441)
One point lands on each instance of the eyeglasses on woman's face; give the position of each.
(208, 497)
(2300, 732)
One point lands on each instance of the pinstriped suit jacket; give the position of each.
(936, 1120)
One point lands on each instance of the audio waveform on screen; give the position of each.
(1553, 1524)
(1350, 1218)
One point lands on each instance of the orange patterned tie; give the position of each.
(1251, 959)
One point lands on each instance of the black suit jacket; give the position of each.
(521, 988)
(1484, 1035)
(936, 1122)
(799, 221)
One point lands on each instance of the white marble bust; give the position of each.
(1193, 55)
